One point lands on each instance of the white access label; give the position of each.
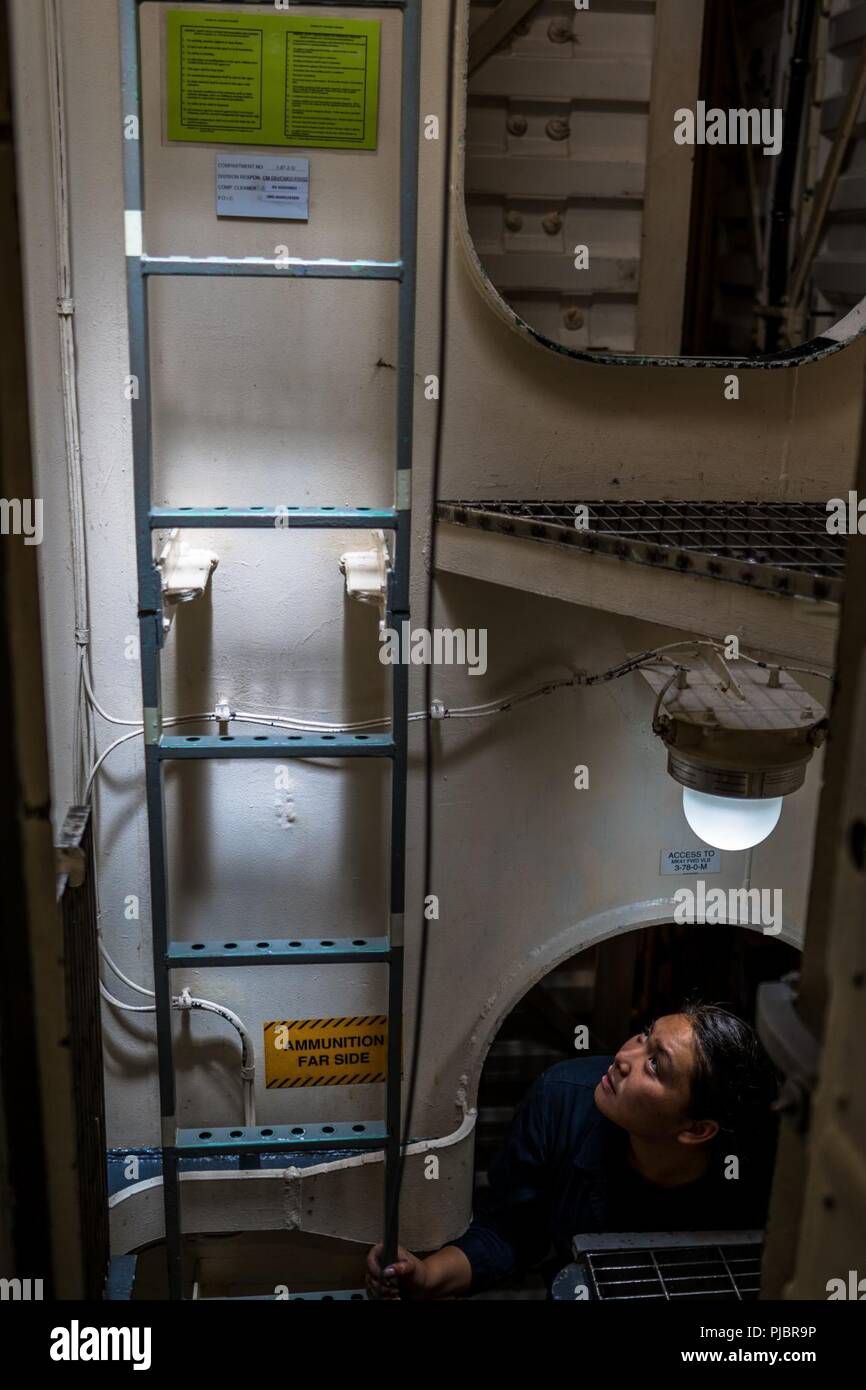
(691, 861)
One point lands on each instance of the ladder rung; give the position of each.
(273, 518)
(344, 4)
(293, 268)
(329, 1296)
(270, 1138)
(321, 1296)
(307, 745)
(313, 951)
(238, 1298)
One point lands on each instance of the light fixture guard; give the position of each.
(746, 738)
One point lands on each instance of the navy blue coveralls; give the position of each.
(563, 1169)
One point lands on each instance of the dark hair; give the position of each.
(734, 1081)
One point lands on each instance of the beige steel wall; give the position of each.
(270, 393)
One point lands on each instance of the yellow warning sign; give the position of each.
(350, 1051)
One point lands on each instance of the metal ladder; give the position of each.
(168, 954)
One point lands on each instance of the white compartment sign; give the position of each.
(263, 185)
(691, 861)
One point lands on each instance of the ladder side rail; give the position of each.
(410, 99)
(331, 4)
(150, 612)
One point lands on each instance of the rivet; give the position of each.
(558, 128)
(574, 318)
(517, 125)
(552, 223)
(828, 1201)
(513, 220)
(559, 32)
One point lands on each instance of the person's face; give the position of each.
(647, 1088)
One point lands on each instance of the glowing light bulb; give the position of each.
(728, 822)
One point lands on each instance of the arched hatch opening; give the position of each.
(611, 989)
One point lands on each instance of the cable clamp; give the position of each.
(82, 636)
(248, 1073)
(66, 307)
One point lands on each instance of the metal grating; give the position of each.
(778, 547)
(725, 1272)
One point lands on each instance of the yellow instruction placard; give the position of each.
(350, 1051)
(249, 79)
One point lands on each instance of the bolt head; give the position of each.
(558, 128)
(559, 32)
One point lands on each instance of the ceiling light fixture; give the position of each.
(737, 745)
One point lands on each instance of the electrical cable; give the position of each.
(437, 710)
(127, 1008)
(83, 732)
(278, 721)
(112, 964)
(137, 733)
(109, 718)
(248, 1057)
(661, 695)
(185, 1002)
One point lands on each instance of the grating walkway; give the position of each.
(776, 547)
(718, 1272)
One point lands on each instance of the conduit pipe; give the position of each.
(332, 1165)
(84, 736)
(187, 1001)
